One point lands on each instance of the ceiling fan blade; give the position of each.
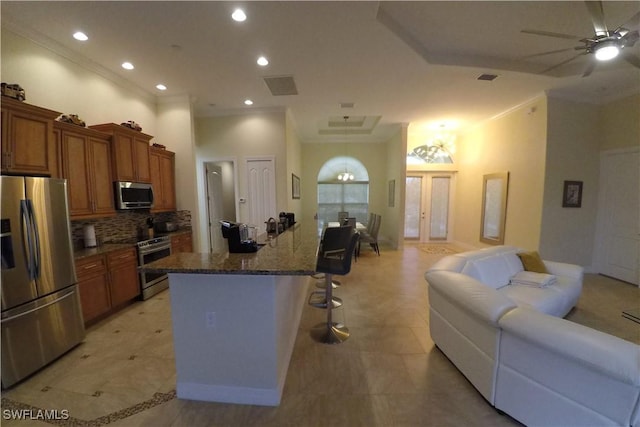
(589, 69)
(629, 39)
(633, 22)
(551, 52)
(597, 17)
(631, 59)
(550, 34)
(561, 63)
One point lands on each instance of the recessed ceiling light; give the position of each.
(160, 86)
(127, 66)
(238, 15)
(262, 61)
(248, 102)
(80, 36)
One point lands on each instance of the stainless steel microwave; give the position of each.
(133, 195)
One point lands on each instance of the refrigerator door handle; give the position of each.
(27, 235)
(36, 237)
(7, 317)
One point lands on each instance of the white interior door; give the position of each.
(619, 211)
(261, 200)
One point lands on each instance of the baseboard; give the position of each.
(227, 394)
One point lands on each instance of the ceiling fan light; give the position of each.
(607, 51)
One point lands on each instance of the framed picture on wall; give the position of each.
(295, 186)
(572, 194)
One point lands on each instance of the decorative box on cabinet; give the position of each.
(123, 275)
(86, 164)
(93, 283)
(181, 243)
(130, 152)
(28, 145)
(162, 163)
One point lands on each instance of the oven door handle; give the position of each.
(155, 249)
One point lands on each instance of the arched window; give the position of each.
(340, 195)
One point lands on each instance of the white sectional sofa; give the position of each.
(513, 345)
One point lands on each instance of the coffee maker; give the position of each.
(239, 237)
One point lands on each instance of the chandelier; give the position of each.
(437, 150)
(346, 175)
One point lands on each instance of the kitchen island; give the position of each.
(235, 316)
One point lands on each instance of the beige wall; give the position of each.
(573, 143)
(393, 216)
(515, 142)
(294, 165)
(61, 84)
(238, 137)
(372, 155)
(620, 121)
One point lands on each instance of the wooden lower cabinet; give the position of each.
(181, 243)
(123, 275)
(107, 281)
(93, 283)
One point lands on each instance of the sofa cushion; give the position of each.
(493, 271)
(545, 300)
(532, 262)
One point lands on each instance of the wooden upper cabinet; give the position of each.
(130, 152)
(28, 143)
(163, 179)
(86, 164)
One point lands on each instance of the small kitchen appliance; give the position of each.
(240, 237)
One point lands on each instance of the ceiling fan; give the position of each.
(605, 44)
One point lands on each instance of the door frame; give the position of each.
(599, 252)
(425, 203)
(206, 226)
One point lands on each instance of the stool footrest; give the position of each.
(319, 300)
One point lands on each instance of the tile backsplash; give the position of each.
(125, 225)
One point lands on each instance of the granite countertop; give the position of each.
(100, 250)
(105, 248)
(292, 253)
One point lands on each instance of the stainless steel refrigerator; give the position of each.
(41, 313)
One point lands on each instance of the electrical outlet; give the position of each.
(211, 319)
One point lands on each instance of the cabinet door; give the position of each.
(5, 139)
(94, 296)
(30, 144)
(167, 175)
(76, 171)
(93, 284)
(123, 272)
(123, 149)
(141, 156)
(181, 243)
(102, 184)
(156, 181)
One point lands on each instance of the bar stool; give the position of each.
(331, 332)
(332, 245)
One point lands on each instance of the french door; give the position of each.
(428, 207)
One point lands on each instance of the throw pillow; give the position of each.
(531, 261)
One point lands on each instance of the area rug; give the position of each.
(436, 249)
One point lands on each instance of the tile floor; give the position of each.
(387, 374)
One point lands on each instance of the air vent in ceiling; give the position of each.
(347, 104)
(281, 85)
(488, 77)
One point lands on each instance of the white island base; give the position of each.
(234, 335)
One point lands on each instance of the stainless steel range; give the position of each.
(149, 251)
